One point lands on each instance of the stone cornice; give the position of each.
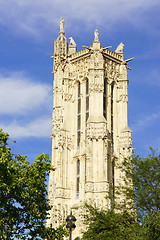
(79, 54)
(115, 56)
(87, 51)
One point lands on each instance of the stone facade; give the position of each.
(90, 128)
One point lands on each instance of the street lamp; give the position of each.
(70, 224)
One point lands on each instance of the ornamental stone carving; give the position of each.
(96, 187)
(112, 70)
(68, 90)
(80, 67)
(63, 193)
(59, 62)
(57, 89)
(57, 119)
(96, 61)
(96, 88)
(125, 138)
(96, 131)
(63, 139)
(122, 94)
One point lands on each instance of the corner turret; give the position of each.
(60, 44)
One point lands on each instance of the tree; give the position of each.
(146, 179)
(23, 195)
(151, 226)
(141, 197)
(110, 225)
(56, 234)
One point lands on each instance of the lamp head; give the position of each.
(70, 221)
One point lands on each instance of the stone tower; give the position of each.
(90, 129)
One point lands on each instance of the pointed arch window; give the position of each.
(112, 132)
(79, 116)
(78, 179)
(112, 105)
(87, 101)
(85, 170)
(105, 99)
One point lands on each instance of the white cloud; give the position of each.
(21, 99)
(19, 94)
(35, 17)
(36, 128)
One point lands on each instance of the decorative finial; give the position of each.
(62, 25)
(96, 36)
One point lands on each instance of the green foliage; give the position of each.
(151, 226)
(146, 178)
(140, 195)
(110, 225)
(23, 194)
(57, 234)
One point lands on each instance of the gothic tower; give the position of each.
(90, 129)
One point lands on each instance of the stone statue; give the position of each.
(62, 25)
(72, 42)
(96, 36)
(120, 47)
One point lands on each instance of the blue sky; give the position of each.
(27, 31)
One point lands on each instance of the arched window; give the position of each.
(78, 178)
(87, 101)
(112, 105)
(85, 170)
(79, 116)
(112, 132)
(104, 99)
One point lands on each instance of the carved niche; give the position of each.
(68, 90)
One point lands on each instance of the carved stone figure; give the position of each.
(72, 42)
(96, 36)
(120, 47)
(62, 25)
